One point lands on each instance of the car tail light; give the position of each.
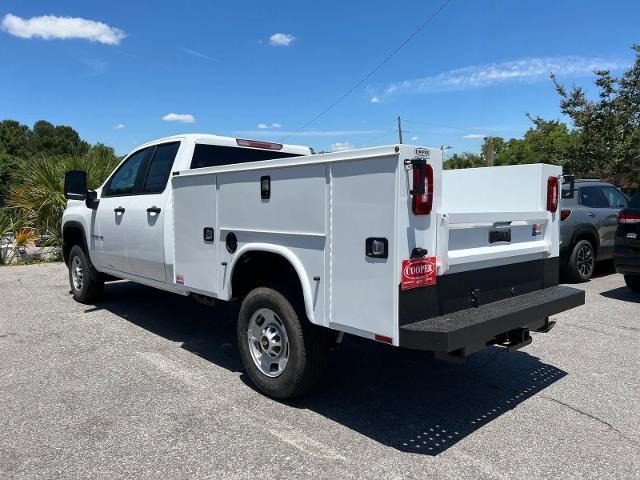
(258, 144)
(564, 214)
(552, 194)
(422, 191)
(628, 217)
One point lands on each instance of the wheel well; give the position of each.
(72, 235)
(588, 235)
(255, 269)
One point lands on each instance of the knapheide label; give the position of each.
(418, 272)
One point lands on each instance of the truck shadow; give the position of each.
(400, 398)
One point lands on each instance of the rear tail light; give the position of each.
(564, 214)
(628, 217)
(422, 191)
(552, 194)
(258, 144)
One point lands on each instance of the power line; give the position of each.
(375, 69)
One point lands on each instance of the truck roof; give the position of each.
(210, 139)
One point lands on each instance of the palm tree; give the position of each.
(39, 196)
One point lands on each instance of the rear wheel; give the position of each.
(581, 262)
(283, 354)
(633, 282)
(84, 288)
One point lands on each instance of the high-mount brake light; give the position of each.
(422, 201)
(628, 217)
(258, 144)
(564, 214)
(552, 194)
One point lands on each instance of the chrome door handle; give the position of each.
(155, 210)
(591, 214)
(119, 209)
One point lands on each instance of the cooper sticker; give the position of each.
(418, 272)
(421, 152)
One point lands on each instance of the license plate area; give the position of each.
(501, 235)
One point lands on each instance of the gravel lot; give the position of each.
(148, 385)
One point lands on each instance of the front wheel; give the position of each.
(83, 286)
(283, 354)
(633, 282)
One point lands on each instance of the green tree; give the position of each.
(464, 160)
(609, 126)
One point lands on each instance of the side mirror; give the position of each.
(75, 185)
(92, 200)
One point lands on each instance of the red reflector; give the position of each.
(552, 194)
(628, 217)
(423, 203)
(383, 339)
(257, 144)
(564, 214)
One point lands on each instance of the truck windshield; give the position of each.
(216, 155)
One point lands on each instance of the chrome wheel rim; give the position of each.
(76, 273)
(268, 342)
(584, 261)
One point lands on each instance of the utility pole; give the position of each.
(399, 128)
(488, 151)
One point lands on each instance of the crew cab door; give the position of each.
(112, 220)
(147, 211)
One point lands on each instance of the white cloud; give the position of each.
(375, 99)
(526, 69)
(307, 133)
(179, 117)
(119, 126)
(200, 55)
(51, 27)
(276, 125)
(281, 39)
(341, 146)
(263, 125)
(474, 135)
(413, 139)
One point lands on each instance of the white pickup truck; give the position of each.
(378, 242)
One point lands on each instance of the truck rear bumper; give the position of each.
(469, 330)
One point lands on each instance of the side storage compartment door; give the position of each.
(196, 250)
(363, 205)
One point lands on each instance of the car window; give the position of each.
(160, 168)
(635, 201)
(124, 180)
(215, 155)
(615, 199)
(593, 197)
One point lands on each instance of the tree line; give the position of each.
(603, 140)
(33, 162)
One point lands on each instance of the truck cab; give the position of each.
(130, 229)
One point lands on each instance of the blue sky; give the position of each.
(262, 69)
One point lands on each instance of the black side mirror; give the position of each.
(92, 200)
(75, 185)
(571, 181)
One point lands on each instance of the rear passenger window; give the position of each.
(615, 198)
(593, 197)
(215, 155)
(160, 168)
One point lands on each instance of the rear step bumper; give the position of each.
(507, 322)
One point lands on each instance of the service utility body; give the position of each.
(378, 242)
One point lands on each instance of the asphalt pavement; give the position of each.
(148, 384)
